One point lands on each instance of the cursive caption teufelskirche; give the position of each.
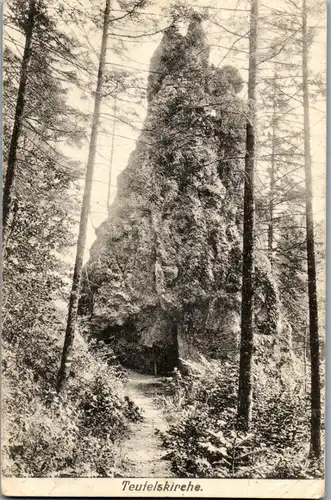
(161, 486)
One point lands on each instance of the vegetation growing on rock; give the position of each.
(204, 271)
(170, 249)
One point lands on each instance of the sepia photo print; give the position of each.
(163, 248)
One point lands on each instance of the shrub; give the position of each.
(203, 440)
(74, 434)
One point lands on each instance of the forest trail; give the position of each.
(141, 453)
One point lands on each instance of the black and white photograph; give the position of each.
(163, 248)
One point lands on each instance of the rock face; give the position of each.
(164, 273)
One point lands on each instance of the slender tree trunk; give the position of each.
(315, 435)
(18, 119)
(75, 290)
(272, 178)
(246, 347)
(111, 157)
(305, 358)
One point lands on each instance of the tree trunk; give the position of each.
(305, 359)
(272, 177)
(18, 120)
(315, 431)
(246, 347)
(75, 290)
(111, 157)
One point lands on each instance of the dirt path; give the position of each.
(140, 454)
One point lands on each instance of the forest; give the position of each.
(163, 223)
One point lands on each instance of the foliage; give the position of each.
(266, 302)
(203, 439)
(195, 123)
(44, 200)
(46, 435)
(291, 264)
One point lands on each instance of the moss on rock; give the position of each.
(170, 251)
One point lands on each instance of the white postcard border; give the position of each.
(164, 488)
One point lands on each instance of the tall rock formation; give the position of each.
(164, 275)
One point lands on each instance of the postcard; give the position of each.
(163, 224)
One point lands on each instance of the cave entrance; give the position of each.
(166, 358)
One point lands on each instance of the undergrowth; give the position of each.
(203, 440)
(74, 434)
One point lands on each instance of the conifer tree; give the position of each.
(28, 28)
(296, 156)
(75, 288)
(315, 428)
(43, 199)
(247, 340)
